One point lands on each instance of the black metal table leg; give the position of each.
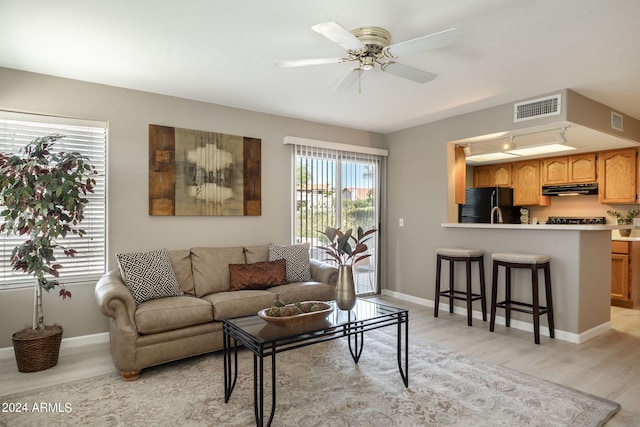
(358, 345)
(230, 372)
(404, 373)
(258, 387)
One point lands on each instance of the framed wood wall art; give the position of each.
(202, 173)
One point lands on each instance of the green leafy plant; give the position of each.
(625, 218)
(346, 248)
(43, 195)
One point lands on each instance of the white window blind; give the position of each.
(88, 138)
(338, 188)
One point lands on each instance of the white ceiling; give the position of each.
(223, 52)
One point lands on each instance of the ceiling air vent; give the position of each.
(536, 108)
(616, 121)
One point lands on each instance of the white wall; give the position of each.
(130, 228)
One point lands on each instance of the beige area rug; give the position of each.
(320, 385)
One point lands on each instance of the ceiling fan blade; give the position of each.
(432, 41)
(288, 63)
(338, 34)
(348, 80)
(407, 72)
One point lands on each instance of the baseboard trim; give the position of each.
(500, 320)
(72, 342)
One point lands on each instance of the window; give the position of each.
(89, 138)
(337, 186)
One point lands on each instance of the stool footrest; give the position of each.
(519, 307)
(454, 294)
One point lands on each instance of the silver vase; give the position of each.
(345, 289)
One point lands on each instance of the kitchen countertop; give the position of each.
(559, 227)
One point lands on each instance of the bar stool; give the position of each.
(467, 256)
(527, 261)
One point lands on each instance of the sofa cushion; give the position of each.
(259, 275)
(304, 291)
(148, 275)
(211, 268)
(255, 254)
(167, 314)
(240, 303)
(297, 257)
(181, 261)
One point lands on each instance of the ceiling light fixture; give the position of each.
(367, 63)
(560, 137)
(508, 146)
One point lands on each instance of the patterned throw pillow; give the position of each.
(259, 275)
(148, 275)
(297, 257)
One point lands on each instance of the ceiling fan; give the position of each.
(369, 47)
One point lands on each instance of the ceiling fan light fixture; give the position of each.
(367, 63)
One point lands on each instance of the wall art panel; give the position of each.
(194, 172)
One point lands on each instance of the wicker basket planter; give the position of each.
(38, 353)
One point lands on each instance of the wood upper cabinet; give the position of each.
(555, 170)
(502, 175)
(617, 171)
(482, 176)
(498, 175)
(527, 189)
(580, 168)
(460, 176)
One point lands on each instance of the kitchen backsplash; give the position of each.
(579, 206)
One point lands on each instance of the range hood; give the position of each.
(570, 189)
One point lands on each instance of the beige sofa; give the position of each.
(170, 328)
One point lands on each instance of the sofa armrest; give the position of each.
(115, 300)
(323, 272)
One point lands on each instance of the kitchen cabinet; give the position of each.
(625, 273)
(579, 168)
(527, 190)
(498, 175)
(554, 170)
(617, 174)
(460, 177)
(582, 168)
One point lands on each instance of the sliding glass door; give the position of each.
(338, 189)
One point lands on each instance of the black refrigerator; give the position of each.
(480, 201)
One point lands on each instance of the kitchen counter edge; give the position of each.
(566, 227)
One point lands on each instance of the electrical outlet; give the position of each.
(401, 222)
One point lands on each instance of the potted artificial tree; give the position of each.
(43, 196)
(341, 251)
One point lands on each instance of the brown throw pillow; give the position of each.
(259, 275)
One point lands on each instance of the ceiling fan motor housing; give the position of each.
(374, 38)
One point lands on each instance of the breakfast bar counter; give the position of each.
(580, 270)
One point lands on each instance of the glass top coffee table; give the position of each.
(267, 340)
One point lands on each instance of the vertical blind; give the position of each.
(88, 138)
(334, 188)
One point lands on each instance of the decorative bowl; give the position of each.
(298, 319)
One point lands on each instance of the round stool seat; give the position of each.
(459, 252)
(520, 258)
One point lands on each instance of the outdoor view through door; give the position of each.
(338, 189)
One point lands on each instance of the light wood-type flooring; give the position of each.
(607, 365)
